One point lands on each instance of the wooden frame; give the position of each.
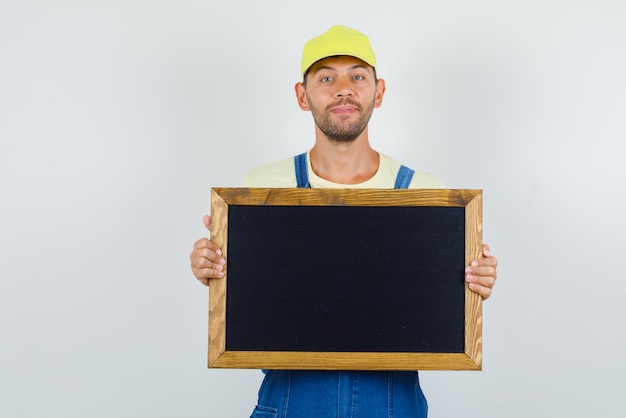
(226, 200)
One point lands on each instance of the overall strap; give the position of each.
(302, 174)
(403, 179)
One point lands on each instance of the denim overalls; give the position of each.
(339, 393)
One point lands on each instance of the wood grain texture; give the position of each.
(347, 197)
(473, 301)
(217, 287)
(220, 357)
(345, 361)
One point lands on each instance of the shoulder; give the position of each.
(426, 180)
(280, 173)
(421, 179)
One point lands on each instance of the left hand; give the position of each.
(481, 274)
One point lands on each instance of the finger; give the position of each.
(483, 291)
(486, 280)
(206, 220)
(204, 269)
(205, 243)
(489, 261)
(481, 274)
(484, 267)
(202, 243)
(205, 257)
(481, 282)
(204, 275)
(207, 261)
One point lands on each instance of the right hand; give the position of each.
(206, 258)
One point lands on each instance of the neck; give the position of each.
(345, 163)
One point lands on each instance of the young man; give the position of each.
(341, 90)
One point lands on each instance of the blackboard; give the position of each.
(345, 279)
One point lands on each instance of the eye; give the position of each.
(358, 77)
(327, 79)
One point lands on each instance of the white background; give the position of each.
(117, 117)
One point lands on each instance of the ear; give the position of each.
(379, 93)
(301, 96)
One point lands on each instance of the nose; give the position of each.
(343, 87)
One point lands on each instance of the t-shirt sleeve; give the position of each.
(425, 180)
(274, 175)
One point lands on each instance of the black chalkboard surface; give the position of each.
(347, 279)
(374, 280)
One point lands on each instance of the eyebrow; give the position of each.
(331, 68)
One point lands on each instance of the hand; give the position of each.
(481, 274)
(206, 258)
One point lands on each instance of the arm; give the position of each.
(481, 274)
(206, 258)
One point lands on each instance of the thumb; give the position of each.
(206, 220)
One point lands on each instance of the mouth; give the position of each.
(344, 107)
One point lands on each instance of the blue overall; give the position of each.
(339, 393)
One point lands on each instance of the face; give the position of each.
(341, 93)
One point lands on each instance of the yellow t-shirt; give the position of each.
(282, 173)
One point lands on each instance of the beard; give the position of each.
(341, 129)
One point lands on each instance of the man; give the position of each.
(340, 89)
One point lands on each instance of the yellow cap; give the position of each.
(338, 40)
